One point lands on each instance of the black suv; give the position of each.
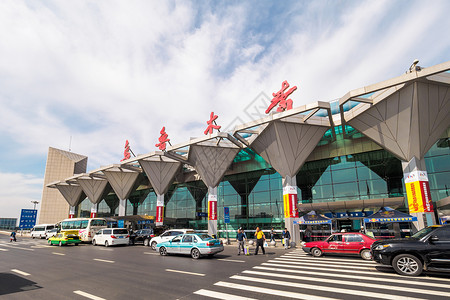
(141, 236)
(428, 249)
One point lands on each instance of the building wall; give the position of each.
(8, 223)
(60, 165)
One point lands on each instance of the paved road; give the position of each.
(30, 269)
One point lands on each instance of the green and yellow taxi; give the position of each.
(64, 238)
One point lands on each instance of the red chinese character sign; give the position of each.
(212, 124)
(159, 210)
(126, 152)
(163, 139)
(212, 207)
(280, 98)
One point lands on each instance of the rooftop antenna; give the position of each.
(70, 143)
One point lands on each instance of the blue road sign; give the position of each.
(226, 214)
(120, 223)
(202, 214)
(27, 218)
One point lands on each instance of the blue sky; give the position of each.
(102, 72)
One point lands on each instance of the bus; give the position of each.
(86, 227)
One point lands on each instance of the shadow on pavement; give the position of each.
(11, 283)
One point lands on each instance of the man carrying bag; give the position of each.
(241, 237)
(286, 238)
(260, 237)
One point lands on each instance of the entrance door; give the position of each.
(345, 225)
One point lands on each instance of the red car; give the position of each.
(342, 243)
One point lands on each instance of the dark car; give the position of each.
(341, 243)
(141, 236)
(428, 249)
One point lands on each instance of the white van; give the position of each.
(41, 230)
(111, 236)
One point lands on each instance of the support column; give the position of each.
(212, 211)
(418, 192)
(72, 212)
(122, 207)
(159, 209)
(290, 207)
(94, 209)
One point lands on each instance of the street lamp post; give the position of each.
(35, 202)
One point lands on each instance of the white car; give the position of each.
(40, 231)
(111, 236)
(168, 235)
(51, 233)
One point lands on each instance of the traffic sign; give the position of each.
(226, 214)
(202, 214)
(27, 218)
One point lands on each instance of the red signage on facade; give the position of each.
(163, 139)
(211, 124)
(126, 152)
(280, 98)
(159, 214)
(212, 210)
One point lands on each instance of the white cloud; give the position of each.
(18, 190)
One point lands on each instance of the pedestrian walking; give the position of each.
(241, 237)
(272, 235)
(13, 237)
(260, 237)
(286, 237)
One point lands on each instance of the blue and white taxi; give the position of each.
(195, 244)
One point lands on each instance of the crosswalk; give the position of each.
(297, 275)
(28, 245)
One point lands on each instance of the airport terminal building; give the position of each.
(384, 145)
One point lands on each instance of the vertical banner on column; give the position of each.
(94, 210)
(290, 202)
(418, 192)
(159, 209)
(72, 212)
(212, 207)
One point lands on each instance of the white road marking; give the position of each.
(320, 288)
(184, 272)
(57, 253)
(313, 263)
(1, 249)
(104, 260)
(329, 258)
(377, 279)
(42, 246)
(20, 272)
(151, 253)
(344, 283)
(217, 295)
(260, 289)
(87, 295)
(14, 247)
(232, 260)
(354, 263)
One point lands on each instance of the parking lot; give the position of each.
(31, 269)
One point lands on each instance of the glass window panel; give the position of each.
(322, 192)
(348, 190)
(262, 185)
(325, 178)
(345, 175)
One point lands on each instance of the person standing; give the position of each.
(286, 237)
(260, 237)
(272, 235)
(241, 237)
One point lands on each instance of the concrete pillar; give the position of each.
(72, 212)
(290, 208)
(122, 207)
(418, 192)
(94, 209)
(159, 210)
(212, 211)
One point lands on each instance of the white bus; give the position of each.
(86, 227)
(41, 230)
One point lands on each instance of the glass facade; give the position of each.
(254, 197)
(8, 223)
